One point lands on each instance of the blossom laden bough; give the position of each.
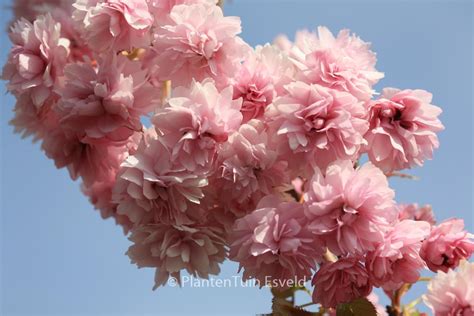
(204, 149)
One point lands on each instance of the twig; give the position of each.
(401, 175)
(306, 305)
(166, 91)
(329, 256)
(396, 308)
(424, 279)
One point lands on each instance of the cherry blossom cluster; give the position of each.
(205, 149)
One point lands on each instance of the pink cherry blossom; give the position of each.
(100, 195)
(273, 244)
(344, 63)
(198, 43)
(324, 123)
(197, 249)
(152, 187)
(37, 58)
(30, 9)
(350, 209)
(451, 293)
(107, 101)
(32, 121)
(114, 24)
(305, 43)
(100, 191)
(447, 245)
(250, 168)
(91, 160)
(396, 259)
(255, 87)
(278, 66)
(162, 8)
(202, 148)
(340, 282)
(403, 129)
(61, 11)
(261, 77)
(417, 213)
(195, 120)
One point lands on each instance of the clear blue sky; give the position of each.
(59, 258)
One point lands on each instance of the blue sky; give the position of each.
(59, 258)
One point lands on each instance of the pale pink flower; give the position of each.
(255, 86)
(447, 245)
(107, 101)
(350, 209)
(417, 213)
(91, 160)
(278, 66)
(198, 249)
(32, 121)
(260, 79)
(30, 9)
(37, 58)
(152, 187)
(344, 63)
(273, 244)
(340, 282)
(396, 260)
(451, 293)
(403, 129)
(195, 120)
(324, 123)
(100, 191)
(305, 43)
(61, 11)
(162, 8)
(100, 195)
(249, 168)
(79, 48)
(197, 43)
(114, 24)
(283, 43)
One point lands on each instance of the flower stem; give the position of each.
(396, 308)
(329, 256)
(306, 305)
(424, 279)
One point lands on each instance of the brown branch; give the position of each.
(396, 308)
(401, 175)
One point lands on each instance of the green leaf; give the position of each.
(358, 307)
(283, 294)
(282, 307)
